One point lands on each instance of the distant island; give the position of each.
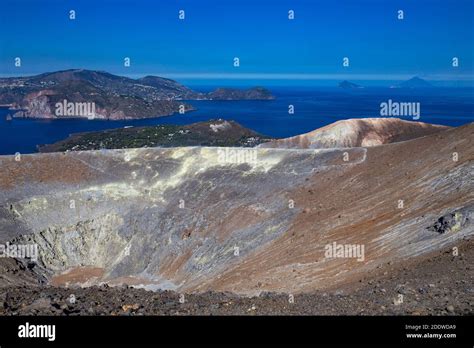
(257, 93)
(101, 95)
(414, 82)
(349, 85)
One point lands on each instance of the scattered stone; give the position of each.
(128, 307)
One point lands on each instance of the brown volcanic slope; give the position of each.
(358, 132)
(173, 218)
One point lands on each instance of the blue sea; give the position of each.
(314, 107)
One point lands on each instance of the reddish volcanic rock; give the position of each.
(358, 132)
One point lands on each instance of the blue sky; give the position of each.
(269, 45)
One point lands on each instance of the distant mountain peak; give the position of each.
(348, 85)
(415, 82)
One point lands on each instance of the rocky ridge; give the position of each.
(114, 97)
(357, 132)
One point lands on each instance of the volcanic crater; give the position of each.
(182, 219)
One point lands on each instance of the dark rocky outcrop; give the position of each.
(453, 222)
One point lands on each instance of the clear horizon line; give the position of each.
(278, 76)
(311, 76)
